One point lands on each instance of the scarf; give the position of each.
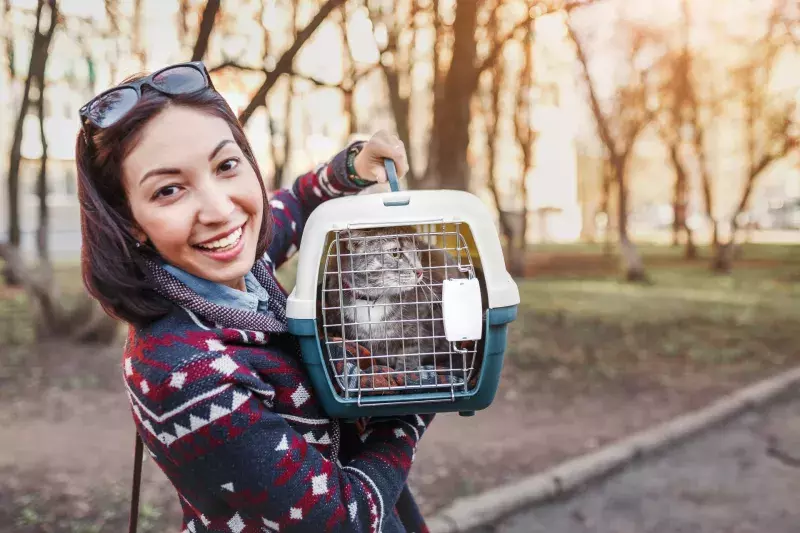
(274, 321)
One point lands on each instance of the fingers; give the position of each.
(382, 146)
(380, 174)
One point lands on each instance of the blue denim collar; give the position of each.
(255, 299)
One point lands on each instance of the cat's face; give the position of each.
(381, 264)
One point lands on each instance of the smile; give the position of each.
(226, 242)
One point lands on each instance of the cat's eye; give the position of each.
(395, 254)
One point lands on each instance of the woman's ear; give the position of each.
(138, 234)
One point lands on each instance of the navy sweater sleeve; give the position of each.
(291, 207)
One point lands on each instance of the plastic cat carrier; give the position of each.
(402, 303)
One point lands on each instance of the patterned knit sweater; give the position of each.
(227, 410)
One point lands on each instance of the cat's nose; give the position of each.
(419, 274)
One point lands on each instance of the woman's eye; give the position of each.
(228, 164)
(166, 192)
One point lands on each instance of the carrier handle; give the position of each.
(391, 174)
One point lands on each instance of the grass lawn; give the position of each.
(688, 315)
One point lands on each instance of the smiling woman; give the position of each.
(180, 242)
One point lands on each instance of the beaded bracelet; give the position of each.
(352, 175)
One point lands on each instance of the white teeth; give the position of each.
(224, 242)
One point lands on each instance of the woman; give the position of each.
(178, 243)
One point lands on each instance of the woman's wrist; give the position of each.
(352, 174)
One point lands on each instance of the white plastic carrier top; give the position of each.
(397, 209)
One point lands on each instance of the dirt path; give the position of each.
(742, 478)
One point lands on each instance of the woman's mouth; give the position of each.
(226, 248)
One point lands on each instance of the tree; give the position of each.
(513, 216)
(36, 71)
(491, 118)
(397, 61)
(700, 112)
(454, 83)
(138, 47)
(350, 78)
(619, 126)
(41, 182)
(770, 128)
(526, 138)
(672, 100)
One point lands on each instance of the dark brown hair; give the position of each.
(114, 269)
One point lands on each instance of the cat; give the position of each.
(390, 297)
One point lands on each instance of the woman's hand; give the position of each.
(368, 163)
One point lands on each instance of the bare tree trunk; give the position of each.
(349, 82)
(491, 113)
(677, 205)
(526, 138)
(680, 204)
(726, 252)
(605, 206)
(769, 136)
(438, 37)
(447, 162)
(690, 252)
(705, 179)
(619, 152)
(41, 185)
(284, 64)
(112, 13)
(206, 25)
(36, 69)
(395, 72)
(631, 259)
(137, 44)
(15, 159)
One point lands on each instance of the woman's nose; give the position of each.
(216, 205)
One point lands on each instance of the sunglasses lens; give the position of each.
(180, 80)
(110, 107)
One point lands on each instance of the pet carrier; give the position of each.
(402, 303)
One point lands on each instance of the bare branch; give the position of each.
(236, 66)
(206, 25)
(493, 54)
(600, 118)
(285, 62)
(316, 81)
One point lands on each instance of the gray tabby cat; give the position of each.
(391, 289)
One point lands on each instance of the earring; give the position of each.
(138, 244)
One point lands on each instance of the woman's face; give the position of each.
(194, 195)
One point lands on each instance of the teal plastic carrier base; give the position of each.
(465, 402)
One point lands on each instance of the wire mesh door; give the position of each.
(382, 309)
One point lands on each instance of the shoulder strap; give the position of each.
(138, 452)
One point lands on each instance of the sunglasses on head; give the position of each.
(108, 107)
